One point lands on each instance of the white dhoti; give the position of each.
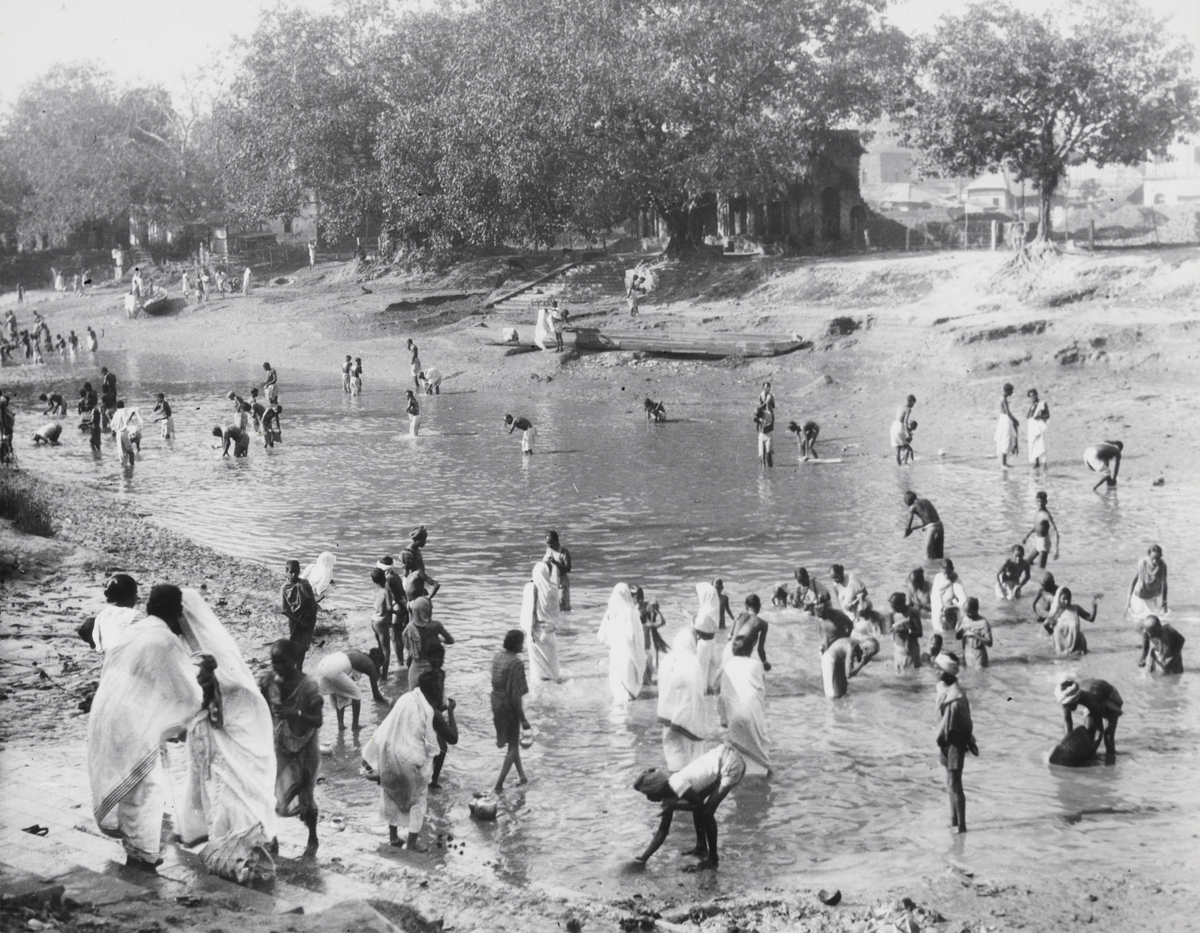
(706, 654)
(336, 679)
(414, 425)
(168, 428)
(680, 749)
(527, 438)
(1139, 608)
(1036, 440)
(899, 434)
(743, 709)
(1006, 436)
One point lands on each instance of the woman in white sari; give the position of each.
(621, 630)
(539, 621)
(543, 334)
(1038, 415)
(224, 783)
(708, 616)
(681, 702)
(742, 704)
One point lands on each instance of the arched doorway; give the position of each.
(831, 214)
(858, 218)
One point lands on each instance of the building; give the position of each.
(1174, 179)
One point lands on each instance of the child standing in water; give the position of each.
(976, 635)
(1040, 532)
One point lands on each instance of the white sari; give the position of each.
(320, 574)
(681, 702)
(943, 594)
(621, 630)
(540, 600)
(743, 710)
(543, 334)
(402, 752)
(1037, 432)
(708, 618)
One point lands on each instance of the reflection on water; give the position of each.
(858, 788)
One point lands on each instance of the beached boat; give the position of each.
(706, 346)
(158, 301)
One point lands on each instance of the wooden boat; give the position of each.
(704, 346)
(158, 301)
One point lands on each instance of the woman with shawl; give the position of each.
(621, 630)
(420, 635)
(1038, 415)
(401, 753)
(681, 701)
(150, 693)
(1068, 629)
(742, 704)
(539, 621)
(708, 617)
(543, 333)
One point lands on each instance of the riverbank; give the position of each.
(1123, 362)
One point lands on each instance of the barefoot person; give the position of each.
(742, 703)
(47, 434)
(295, 702)
(300, 606)
(1102, 706)
(955, 735)
(271, 383)
(525, 426)
(621, 631)
(947, 593)
(1043, 601)
(337, 678)
(906, 633)
(924, 510)
(681, 710)
(1012, 575)
(1104, 458)
(539, 621)
(162, 408)
(975, 632)
(231, 434)
(509, 688)
(901, 431)
(806, 438)
(764, 423)
(1037, 416)
(705, 627)
(844, 659)
(1007, 428)
(414, 363)
(701, 786)
(1068, 629)
(559, 559)
(1043, 524)
(1148, 591)
(413, 410)
(809, 595)
(1162, 646)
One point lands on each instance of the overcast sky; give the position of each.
(158, 41)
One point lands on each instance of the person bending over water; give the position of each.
(54, 404)
(655, 411)
(806, 438)
(1102, 706)
(956, 735)
(1162, 646)
(842, 660)
(924, 510)
(337, 678)
(232, 434)
(1012, 575)
(48, 434)
(701, 786)
(1040, 532)
(1104, 458)
(525, 426)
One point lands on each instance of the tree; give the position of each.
(1100, 81)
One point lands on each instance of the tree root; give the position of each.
(1026, 266)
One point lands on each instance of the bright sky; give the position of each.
(159, 41)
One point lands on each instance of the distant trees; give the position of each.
(1100, 81)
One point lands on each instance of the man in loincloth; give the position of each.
(529, 432)
(337, 675)
(1104, 458)
(925, 511)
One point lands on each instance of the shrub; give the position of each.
(21, 503)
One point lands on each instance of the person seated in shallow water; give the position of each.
(1102, 706)
(1162, 646)
(655, 411)
(700, 787)
(843, 660)
(1012, 575)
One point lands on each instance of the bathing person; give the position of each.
(1043, 601)
(652, 621)
(337, 677)
(1037, 416)
(765, 397)
(923, 509)
(705, 626)
(272, 433)
(1148, 591)
(381, 622)
(1012, 575)
(109, 628)
(901, 431)
(414, 362)
(809, 595)
(347, 369)
(128, 435)
(621, 631)
(842, 660)
(92, 343)
(955, 735)
(47, 434)
(750, 627)
(356, 377)
(1040, 532)
(764, 422)
(431, 380)
(742, 703)
(906, 633)
(1068, 630)
(271, 383)
(946, 593)
(525, 426)
(539, 621)
(1007, 428)
(508, 711)
(919, 590)
(1162, 645)
(681, 691)
(413, 410)
(1102, 706)
(420, 635)
(295, 702)
(701, 786)
(300, 606)
(806, 437)
(232, 434)
(443, 715)
(851, 592)
(401, 752)
(559, 559)
(150, 693)
(655, 411)
(723, 612)
(976, 634)
(162, 408)
(1104, 458)
(55, 404)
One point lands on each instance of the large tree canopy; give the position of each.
(1100, 81)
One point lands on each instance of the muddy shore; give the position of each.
(1122, 327)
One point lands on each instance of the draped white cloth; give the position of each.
(112, 626)
(402, 752)
(621, 630)
(681, 708)
(148, 688)
(943, 593)
(543, 334)
(743, 710)
(541, 595)
(320, 574)
(1006, 435)
(1036, 427)
(708, 617)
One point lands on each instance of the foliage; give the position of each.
(1100, 80)
(20, 502)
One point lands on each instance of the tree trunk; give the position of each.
(681, 232)
(1046, 187)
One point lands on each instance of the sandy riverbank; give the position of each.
(1129, 347)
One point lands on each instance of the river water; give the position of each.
(857, 796)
